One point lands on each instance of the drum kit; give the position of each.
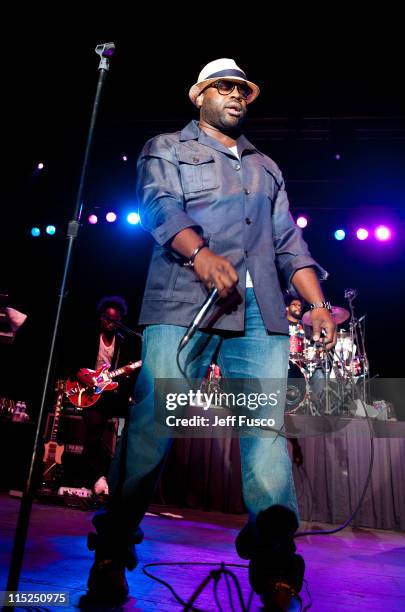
(326, 382)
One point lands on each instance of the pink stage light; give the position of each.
(362, 233)
(302, 222)
(92, 219)
(383, 233)
(111, 217)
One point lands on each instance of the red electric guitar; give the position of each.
(84, 396)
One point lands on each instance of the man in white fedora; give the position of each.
(218, 211)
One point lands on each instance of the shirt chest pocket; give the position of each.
(198, 172)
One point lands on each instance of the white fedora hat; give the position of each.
(221, 69)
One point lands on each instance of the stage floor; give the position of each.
(358, 569)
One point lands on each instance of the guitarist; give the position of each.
(107, 345)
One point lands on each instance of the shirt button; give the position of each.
(248, 221)
(237, 167)
(247, 191)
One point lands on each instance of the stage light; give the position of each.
(124, 158)
(340, 234)
(40, 166)
(111, 217)
(382, 232)
(362, 233)
(133, 218)
(35, 232)
(50, 230)
(92, 219)
(302, 222)
(337, 156)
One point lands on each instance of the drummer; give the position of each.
(297, 330)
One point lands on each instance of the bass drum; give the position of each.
(297, 389)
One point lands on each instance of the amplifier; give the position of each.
(72, 432)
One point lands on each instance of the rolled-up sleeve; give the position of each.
(291, 250)
(160, 195)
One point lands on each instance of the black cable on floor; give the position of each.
(213, 575)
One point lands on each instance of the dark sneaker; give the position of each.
(107, 583)
(276, 571)
(279, 597)
(277, 580)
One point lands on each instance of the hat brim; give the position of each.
(197, 88)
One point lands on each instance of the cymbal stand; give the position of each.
(329, 366)
(357, 338)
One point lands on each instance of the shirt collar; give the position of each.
(192, 132)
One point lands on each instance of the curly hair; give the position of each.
(288, 298)
(113, 301)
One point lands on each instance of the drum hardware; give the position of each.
(338, 371)
(298, 392)
(357, 335)
(334, 390)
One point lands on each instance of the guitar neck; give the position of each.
(115, 373)
(58, 408)
(133, 366)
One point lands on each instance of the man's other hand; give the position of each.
(322, 320)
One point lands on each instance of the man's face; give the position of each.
(295, 309)
(107, 325)
(224, 112)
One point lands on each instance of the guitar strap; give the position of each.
(119, 338)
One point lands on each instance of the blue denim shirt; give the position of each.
(188, 179)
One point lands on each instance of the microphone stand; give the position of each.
(105, 51)
(124, 328)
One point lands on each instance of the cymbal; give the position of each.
(339, 315)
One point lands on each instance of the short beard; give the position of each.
(230, 130)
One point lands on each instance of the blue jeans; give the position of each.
(266, 467)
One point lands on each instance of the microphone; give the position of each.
(350, 294)
(209, 301)
(105, 51)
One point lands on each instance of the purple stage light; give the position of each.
(111, 217)
(124, 158)
(40, 166)
(362, 233)
(337, 156)
(92, 219)
(302, 222)
(383, 233)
